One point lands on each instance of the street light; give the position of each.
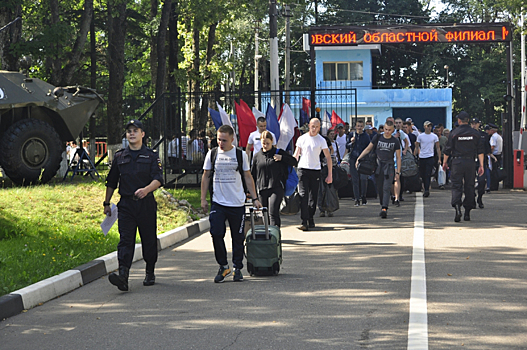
(446, 67)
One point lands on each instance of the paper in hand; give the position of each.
(108, 221)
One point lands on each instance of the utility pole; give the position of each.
(287, 53)
(523, 82)
(256, 59)
(273, 46)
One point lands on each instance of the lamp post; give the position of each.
(446, 67)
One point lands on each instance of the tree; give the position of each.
(9, 11)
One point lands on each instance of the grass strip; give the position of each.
(48, 229)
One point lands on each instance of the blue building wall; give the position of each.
(344, 54)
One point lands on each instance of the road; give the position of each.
(345, 285)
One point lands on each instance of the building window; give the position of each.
(342, 71)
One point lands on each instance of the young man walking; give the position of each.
(228, 200)
(357, 142)
(308, 149)
(138, 172)
(424, 148)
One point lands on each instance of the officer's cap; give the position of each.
(475, 121)
(493, 126)
(463, 116)
(135, 123)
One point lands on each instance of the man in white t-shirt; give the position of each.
(308, 148)
(496, 147)
(424, 147)
(228, 200)
(254, 138)
(173, 151)
(340, 141)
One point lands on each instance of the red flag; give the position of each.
(306, 105)
(335, 119)
(246, 122)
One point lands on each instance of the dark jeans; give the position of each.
(308, 182)
(272, 199)
(359, 181)
(235, 216)
(463, 180)
(425, 171)
(137, 214)
(384, 186)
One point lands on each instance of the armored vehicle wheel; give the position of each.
(28, 147)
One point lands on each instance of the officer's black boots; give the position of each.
(150, 278)
(467, 215)
(480, 203)
(120, 280)
(458, 213)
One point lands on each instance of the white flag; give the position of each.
(287, 127)
(257, 114)
(326, 124)
(225, 120)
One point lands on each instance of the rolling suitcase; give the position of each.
(263, 247)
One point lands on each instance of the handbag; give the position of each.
(441, 176)
(290, 205)
(367, 165)
(330, 198)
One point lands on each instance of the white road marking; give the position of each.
(418, 324)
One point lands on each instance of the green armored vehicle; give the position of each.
(36, 121)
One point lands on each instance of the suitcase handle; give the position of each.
(265, 214)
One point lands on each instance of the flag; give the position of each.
(325, 126)
(305, 111)
(257, 114)
(246, 122)
(225, 120)
(272, 121)
(216, 119)
(287, 127)
(335, 119)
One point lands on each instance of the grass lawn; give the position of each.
(48, 229)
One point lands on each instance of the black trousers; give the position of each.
(308, 182)
(137, 214)
(272, 199)
(463, 181)
(494, 183)
(235, 216)
(482, 180)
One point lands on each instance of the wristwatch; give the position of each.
(105, 204)
(398, 173)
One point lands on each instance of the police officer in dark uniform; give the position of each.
(482, 180)
(137, 169)
(464, 144)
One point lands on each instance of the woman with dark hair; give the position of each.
(270, 172)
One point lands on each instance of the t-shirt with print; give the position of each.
(427, 144)
(385, 148)
(311, 147)
(227, 183)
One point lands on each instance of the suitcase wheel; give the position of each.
(276, 268)
(250, 269)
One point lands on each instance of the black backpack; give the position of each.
(239, 158)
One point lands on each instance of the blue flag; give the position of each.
(216, 119)
(304, 118)
(272, 121)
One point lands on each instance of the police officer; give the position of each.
(464, 144)
(482, 180)
(137, 169)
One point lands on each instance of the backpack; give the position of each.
(239, 158)
(409, 166)
(291, 182)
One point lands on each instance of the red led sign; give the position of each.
(462, 33)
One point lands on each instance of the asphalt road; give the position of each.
(344, 285)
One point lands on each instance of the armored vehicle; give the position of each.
(36, 121)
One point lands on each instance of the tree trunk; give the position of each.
(173, 47)
(194, 77)
(204, 115)
(78, 48)
(153, 44)
(161, 49)
(9, 37)
(116, 40)
(56, 66)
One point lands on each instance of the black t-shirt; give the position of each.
(385, 148)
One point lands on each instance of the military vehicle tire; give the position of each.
(29, 146)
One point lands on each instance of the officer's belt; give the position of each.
(464, 157)
(135, 198)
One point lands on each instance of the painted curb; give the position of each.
(14, 303)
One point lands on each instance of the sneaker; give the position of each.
(397, 203)
(238, 277)
(222, 273)
(426, 194)
(357, 203)
(322, 214)
(364, 201)
(311, 223)
(384, 213)
(330, 214)
(303, 227)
